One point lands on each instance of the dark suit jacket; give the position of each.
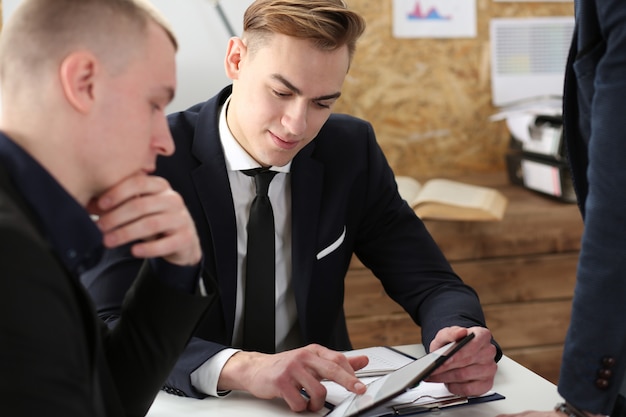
(595, 132)
(340, 182)
(57, 358)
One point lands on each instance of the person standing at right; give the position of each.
(594, 359)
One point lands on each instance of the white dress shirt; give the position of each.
(205, 378)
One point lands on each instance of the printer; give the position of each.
(536, 157)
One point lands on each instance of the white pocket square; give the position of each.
(332, 246)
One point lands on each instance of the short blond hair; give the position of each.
(41, 33)
(328, 24)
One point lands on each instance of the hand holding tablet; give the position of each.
(397, 382)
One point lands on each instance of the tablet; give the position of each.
(397, 382)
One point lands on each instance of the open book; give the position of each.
(442, 199)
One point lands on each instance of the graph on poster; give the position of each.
(431, 14)
(434, 18)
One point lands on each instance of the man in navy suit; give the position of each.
(84, 88)
(594, 359)
(333, 196)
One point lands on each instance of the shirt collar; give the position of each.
(237, 159)
(62, 221)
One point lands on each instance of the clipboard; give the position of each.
(397, 382)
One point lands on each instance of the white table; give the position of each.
(522, 388)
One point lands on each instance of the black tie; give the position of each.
(260, 304)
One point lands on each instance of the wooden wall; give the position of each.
(429, 99)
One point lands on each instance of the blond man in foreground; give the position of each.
(84, 85)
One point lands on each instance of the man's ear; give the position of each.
(235, 54)
(78, 73)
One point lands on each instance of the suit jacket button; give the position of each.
(608, 362)
(605, 373)
(602, 384)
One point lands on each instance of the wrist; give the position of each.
(236, 371)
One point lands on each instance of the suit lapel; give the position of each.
(307, 176)
(210, 180)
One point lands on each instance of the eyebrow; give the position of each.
(297, 91)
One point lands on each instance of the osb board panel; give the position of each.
(429, 99)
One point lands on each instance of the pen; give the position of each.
(327, 405)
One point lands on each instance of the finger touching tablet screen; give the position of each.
(397, 382)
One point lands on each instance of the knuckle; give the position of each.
(301, 355)
(314, 347)
(162, 181)
(121, 237)
(335, 356)
(283, 382)
(153, 223)
(330, 370)
(298, 405)
(317, 391)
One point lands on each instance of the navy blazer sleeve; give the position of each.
(108, 284)
(595, 129)
(155, 326)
